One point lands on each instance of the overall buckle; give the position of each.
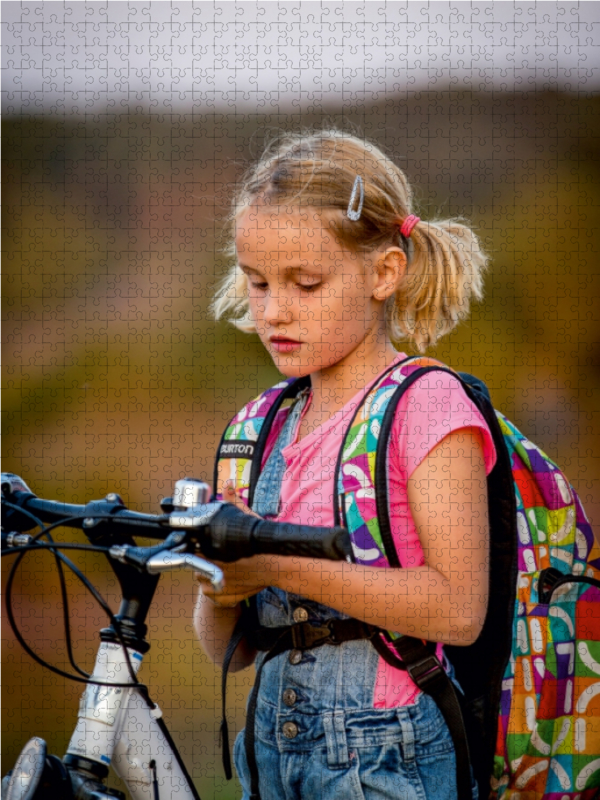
(305, 635)
(426, 672)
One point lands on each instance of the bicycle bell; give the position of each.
(190, 492)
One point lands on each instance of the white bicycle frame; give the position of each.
(117, 728)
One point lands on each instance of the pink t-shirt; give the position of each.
(434, 406)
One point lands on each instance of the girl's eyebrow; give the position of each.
(287, 270)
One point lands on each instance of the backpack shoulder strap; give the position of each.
(361, 475)
(361, 480)
(363, 502)
(407, 375)
(240, 450)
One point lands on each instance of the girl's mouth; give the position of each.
(283, 345)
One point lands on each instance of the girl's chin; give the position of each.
(292, 365)
(293, 368)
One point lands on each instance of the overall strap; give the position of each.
(266, 499)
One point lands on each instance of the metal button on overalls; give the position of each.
(300, 615)
(289, 730)
(289, 697)
(295, 657)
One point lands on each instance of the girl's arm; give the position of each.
(214, 625)
(443, 601)
(215, 615)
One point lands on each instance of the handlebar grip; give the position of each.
(234, 534)
(302, 540)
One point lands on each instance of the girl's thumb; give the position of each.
(231, 496)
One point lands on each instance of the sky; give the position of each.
(78, 57)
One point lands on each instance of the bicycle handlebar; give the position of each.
(32, 508)
(219, 530)
(232, 534)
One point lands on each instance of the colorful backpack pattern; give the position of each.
(549, 732)
(240, 450)
(533, 677)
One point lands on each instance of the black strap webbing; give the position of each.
(426, 671)
(232, 645)
(249, 733)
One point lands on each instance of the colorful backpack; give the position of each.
(531, 709)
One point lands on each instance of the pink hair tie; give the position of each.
(408, 224)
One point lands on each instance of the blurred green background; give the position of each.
(116, 379)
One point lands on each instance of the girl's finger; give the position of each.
(231, 496)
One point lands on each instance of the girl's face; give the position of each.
(311, 300)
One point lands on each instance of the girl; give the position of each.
(331, 268)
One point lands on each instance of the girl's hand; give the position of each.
(233, 497)
(243, 578)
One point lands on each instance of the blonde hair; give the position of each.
(318, 170)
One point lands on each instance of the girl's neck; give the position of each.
(333, 387)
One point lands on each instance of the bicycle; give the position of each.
(118, 725)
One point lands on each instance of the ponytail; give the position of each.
(445, 270)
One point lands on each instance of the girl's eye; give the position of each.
(310, 287)
(262, 287)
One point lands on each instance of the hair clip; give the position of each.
(351, 213)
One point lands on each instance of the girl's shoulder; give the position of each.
(437, 390)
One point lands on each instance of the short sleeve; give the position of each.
(433, 407)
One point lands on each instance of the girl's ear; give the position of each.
(390, 268)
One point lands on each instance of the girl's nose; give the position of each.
(277, 308)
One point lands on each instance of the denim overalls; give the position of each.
(318, 736)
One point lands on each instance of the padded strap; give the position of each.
(426, 671)
(250, 733)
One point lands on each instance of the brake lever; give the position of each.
(169, 560)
